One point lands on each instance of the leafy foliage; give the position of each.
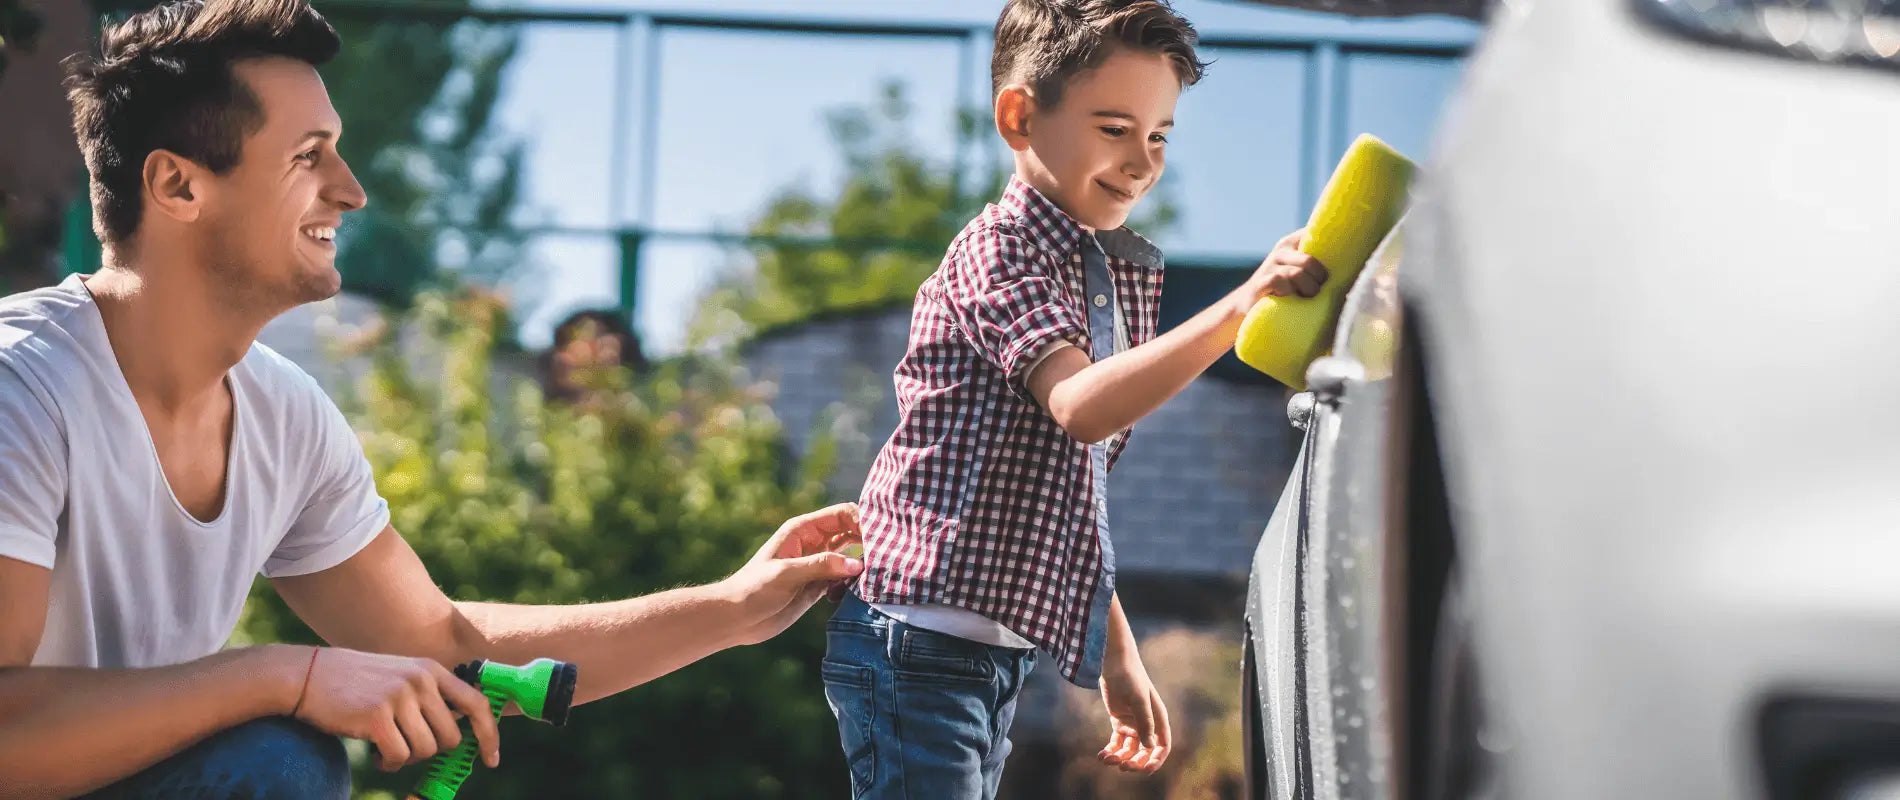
(646, 483)
(878, 237)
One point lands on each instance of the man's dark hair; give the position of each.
(163, 80)
(1044, 43)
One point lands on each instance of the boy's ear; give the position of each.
(1014, 107)
(174, 185)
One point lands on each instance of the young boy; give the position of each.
(1032, 352)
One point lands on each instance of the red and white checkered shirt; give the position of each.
(980, 500)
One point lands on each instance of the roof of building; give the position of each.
(1186, 289)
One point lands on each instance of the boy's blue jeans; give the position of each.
(272, 758)
(921, 714)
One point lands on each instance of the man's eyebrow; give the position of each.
(1123, 115)
(320, 133)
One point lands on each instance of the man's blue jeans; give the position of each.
(921, 714)
(273, 758)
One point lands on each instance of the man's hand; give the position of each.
(794, 568)
(1287, 271)
(1139, 738)
(402, 705)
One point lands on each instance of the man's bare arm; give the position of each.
(65, 731)
(382, 599)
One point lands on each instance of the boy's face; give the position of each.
(1104, 145)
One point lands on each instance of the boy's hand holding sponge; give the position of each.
(1283, 333)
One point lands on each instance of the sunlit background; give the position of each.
(744, 195)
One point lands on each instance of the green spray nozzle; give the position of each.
(543, 689)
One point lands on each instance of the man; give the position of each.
(153, 459)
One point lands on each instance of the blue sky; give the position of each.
(742, 115)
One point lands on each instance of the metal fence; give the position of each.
(637, 47)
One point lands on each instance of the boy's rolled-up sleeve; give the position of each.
(1012, 306)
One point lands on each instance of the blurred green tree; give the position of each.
(880, 235)
(417, 102)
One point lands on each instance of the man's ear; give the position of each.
(1014, 108)
(175, 185)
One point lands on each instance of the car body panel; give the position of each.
(1654, 278)
(1672, 462)
(1274, 640)
(1315, 577)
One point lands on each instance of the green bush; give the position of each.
(646, 483)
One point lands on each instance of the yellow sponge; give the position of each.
(1362, 201)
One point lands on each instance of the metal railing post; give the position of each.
(649, 120)
(631, 240)
(1322, 118)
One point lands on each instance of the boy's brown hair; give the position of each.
(163, 81)
(1044, 43)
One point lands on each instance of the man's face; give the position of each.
(276, 213)
(1100, 150)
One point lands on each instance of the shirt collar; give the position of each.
(1052, 227)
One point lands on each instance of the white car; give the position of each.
(1617, 513)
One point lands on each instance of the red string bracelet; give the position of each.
(306, 681)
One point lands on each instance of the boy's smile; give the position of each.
(1103, 145)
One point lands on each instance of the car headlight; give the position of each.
(1864, 31)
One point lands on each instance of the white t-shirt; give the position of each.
(137, 580)
(964, 623)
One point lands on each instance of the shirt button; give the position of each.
(1101, 300)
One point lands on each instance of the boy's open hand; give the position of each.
(1286, 272)
(794, 569)
(1139, 738)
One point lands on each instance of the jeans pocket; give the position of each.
(852, 627)
(849, 691)
(928, 655)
